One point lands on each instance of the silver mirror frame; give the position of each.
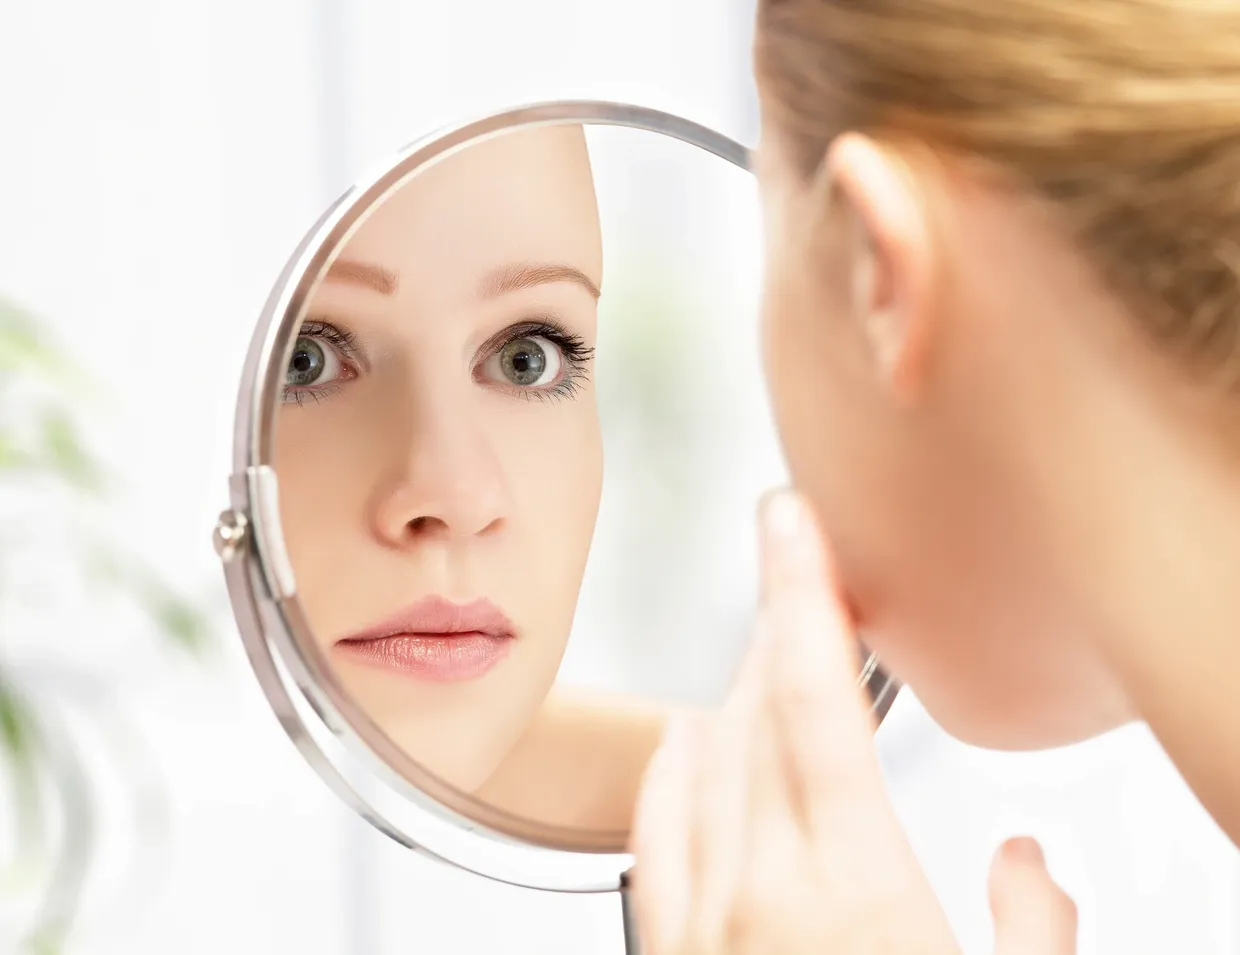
(370, 773)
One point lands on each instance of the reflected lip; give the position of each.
(435, 638)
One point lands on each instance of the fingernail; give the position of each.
(784, 517)
(793, 549)
(1025, 849)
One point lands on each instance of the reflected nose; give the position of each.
(448, 484)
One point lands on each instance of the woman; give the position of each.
(440, 466)
(1004, 291)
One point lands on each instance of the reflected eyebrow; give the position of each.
(514, 278)
(375, 277)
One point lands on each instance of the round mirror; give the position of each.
(500, 440)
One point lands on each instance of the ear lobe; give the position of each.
(891, 258)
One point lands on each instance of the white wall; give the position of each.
(159, 162)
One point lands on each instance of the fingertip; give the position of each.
(1032, 913)
(790, 534)
(801, 608)
(782, 514)
(1020, 871)
(1024, 850)
(1017, 860)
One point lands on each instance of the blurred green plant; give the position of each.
(652, 417)
(43, 394)
(642, 386)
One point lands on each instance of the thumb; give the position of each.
(1033, 915)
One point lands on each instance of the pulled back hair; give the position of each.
(1124, 113)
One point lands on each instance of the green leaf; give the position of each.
(180, 620)
(44, 945)
(172, 615)
(15, 724)
(66, 455)
(23, 347)
(12, 457)
(28, 350)
(19, 740)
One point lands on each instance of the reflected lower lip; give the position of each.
(436, 639)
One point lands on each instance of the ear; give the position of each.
(890, 258)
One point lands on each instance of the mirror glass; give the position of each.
(521, 438)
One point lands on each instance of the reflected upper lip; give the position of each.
(439, 616)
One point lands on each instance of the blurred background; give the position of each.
(160, 161)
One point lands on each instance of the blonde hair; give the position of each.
(1125, 113)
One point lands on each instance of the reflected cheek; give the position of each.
(559, 476)
(544, 552)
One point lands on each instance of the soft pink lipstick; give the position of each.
(436, 639)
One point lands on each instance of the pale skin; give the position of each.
(409, 467)
(1037, 531)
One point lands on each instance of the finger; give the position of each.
(775, 870)
(823, 717)
(723, 802)
(662, 834)
(1033, 915)
(774, 827)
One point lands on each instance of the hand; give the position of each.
(765, 828)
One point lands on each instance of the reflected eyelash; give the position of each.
(298, 396)
(340, 338)
(577, 356)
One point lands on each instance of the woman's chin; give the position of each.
(1017, 726)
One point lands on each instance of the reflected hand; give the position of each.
(766, 827)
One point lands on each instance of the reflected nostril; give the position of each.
(418, 524)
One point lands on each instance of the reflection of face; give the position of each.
(439, 453)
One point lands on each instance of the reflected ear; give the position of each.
(889, 252)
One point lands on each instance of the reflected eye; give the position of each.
(529, 362)
(310, 362)
(319, 362)
(539, 359)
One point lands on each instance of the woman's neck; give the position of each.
(1172, 628)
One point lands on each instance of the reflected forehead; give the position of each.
(508, 214)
